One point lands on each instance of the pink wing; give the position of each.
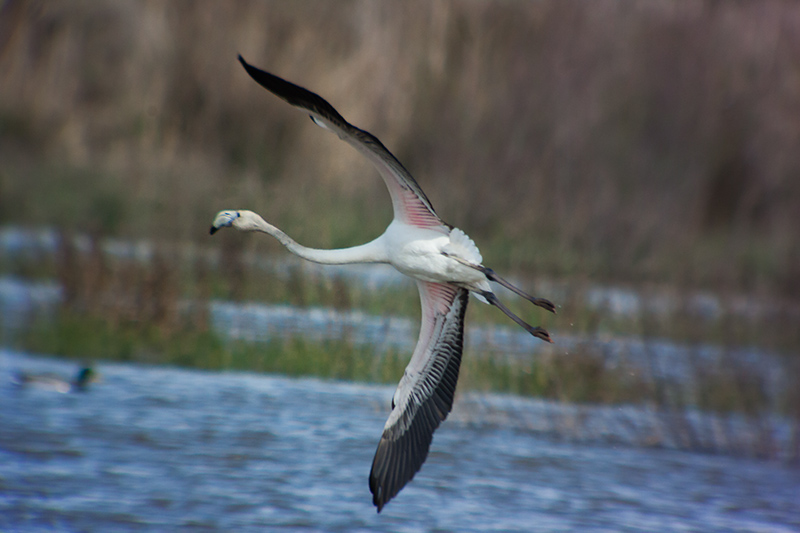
(410, 203)
(425, 394)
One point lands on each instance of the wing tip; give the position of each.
(378, 501)
(251, 70)
(388, 476)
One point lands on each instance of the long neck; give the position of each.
(371, 252)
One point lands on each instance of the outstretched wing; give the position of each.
(424, 396)
(410, 203)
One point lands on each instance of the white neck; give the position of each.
(371, 252)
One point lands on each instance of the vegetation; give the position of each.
(156, 311)
(649, 145)
(581, 377)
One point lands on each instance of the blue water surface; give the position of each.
(162, 449)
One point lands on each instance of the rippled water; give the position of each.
(159, 449)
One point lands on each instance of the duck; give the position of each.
(57, 383)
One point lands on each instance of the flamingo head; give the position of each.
(223, 219)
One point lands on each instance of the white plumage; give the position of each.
(447, 266)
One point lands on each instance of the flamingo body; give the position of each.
(427, 255)
(442, 259)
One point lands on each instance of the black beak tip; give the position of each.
(213, 230)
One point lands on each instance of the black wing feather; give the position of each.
(309, 101)
(404, 446)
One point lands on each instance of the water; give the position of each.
(159, 449)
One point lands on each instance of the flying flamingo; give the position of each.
(447, 267)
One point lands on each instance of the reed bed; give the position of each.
(645, 143)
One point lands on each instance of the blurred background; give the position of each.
(638, 142)
(637, 163)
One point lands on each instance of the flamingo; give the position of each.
(447, 267)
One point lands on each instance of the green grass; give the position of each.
(78, 336)
(578, 377)
(74, 335)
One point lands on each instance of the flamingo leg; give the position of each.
(541, 302)
(538, 332)
(492, 276)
